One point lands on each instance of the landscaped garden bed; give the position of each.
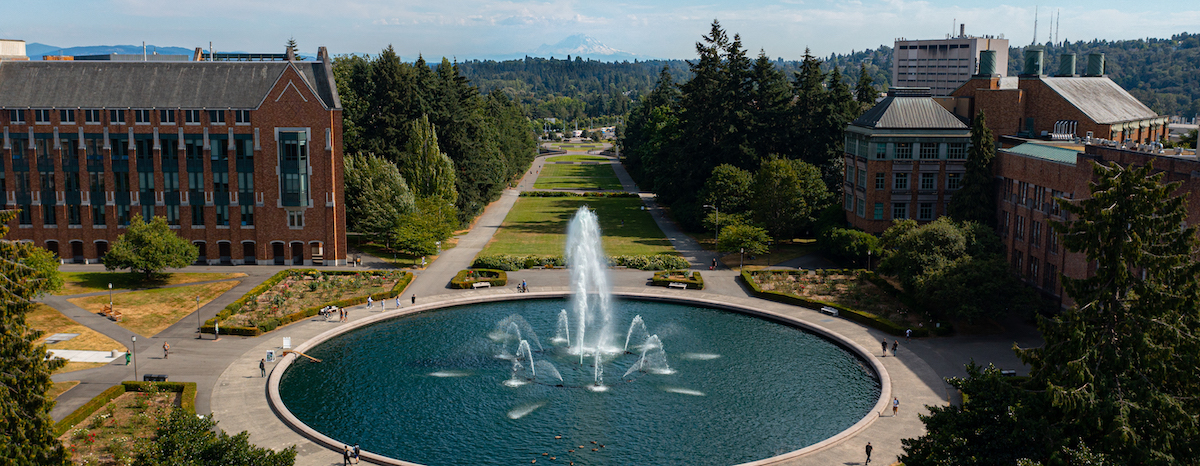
(295, 294)
(111, 427)
(467, 279)
(667, 277)
(859, 296)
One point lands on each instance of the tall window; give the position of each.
(247, 215)
(98, 214)
(146, 182)
(957, 150)
(196, 184)
(878, 211)
(929, 150)
(166, 117)
(928, 181)
(881, 150)
(904, 150)
(123, 215)
(66, 117)
(48, 217)
(241, 117)
(900, 181)
(1019, 234)
(293, 167)
(148, 212)
(899, 211)
(216, 117)
(222, 215)
(245, 184)
(1051, 277)
(41, 116)
(1035, 234)
(861, 208)
(141, 117)
(97, 181)
(880, 181)
(170, 181)
(220, 182)
(91, 116)
(173, 215)
(862, 178)
(1052, 242)
(16, 116)
(197, 215)
(191, 117)
(116, 117)
(925, 211)
(296, 219)
(953, 181)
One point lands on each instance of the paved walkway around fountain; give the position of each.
(230, 386)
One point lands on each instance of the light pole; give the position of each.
(132, 350)
(742, 261)
(199, 326)
(868, 260)
(768, 254)
(110, 297)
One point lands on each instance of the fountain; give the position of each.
(479, 375)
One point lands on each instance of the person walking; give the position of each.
(895, 345)
(397, 301)
(895, 406)
(346, 455)
(262, 367)
(369, 302)
(884, 343)
(414, 298)
(908, 335)
(869, 448)
(166, 350)
(356, 452)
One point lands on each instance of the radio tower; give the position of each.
(1035, 18)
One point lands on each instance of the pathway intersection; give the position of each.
(229, 385)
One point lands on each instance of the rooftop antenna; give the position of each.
(1057, 23)
(1035, 18)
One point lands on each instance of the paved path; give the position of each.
(230, 386)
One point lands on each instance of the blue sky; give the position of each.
(652, 28)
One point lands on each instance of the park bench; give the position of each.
(682, 286)
(830, 310)
(108, 311)
(481, 285)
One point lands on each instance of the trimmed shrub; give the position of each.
(573, 194)
(466, 279)
(187, 391)
(646, 262)
(848, 313)
(664, 279)
(61, 427)
(513, 262)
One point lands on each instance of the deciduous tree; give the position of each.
(150, 248)
(182, 439)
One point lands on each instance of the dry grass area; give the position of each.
(58, 388)
(297, 293)
(78, 366)
(148, 312)
(91, 282)
(110, 435)
(839, 288)
(51, 321)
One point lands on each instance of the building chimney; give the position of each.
(291, 54)
(1066, 65)
(1095, 66)
(1033, 61)
(962, 30)
(987, 63)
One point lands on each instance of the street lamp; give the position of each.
(110, 297)
(868, 260)
(199, 326)
(132, 351)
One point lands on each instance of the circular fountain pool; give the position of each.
(455, 387)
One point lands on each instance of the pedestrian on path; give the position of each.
(895, 406)
(356, 452)
(884, 342)
(397, 301)
(262, 367)
(345, 315)
(166, 349)
(895, 345)
(346, 455)
(369, 302)
(908, 335)
(869, 448)
(414, 298)
(714, 264)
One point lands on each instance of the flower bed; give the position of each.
(855, 296)
(667, 277)
(109, 428)
(296, 294)
(466, 279)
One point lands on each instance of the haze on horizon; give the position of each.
(466, 29)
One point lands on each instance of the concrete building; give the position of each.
(1065, 106)
(242, 158)
(12, 50)
(943, 65)
(904, 159)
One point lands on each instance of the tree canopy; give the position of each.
(377, 197)
(975, 201)
(182, 439)
(26, 430)
(150, 248)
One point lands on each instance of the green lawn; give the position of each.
(538, 225)
(591, 177)
(91, 282)
(578, 158)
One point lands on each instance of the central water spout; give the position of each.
(591, 292)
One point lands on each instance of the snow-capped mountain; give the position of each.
(582, 45)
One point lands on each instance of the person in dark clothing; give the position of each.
(869, 448)
(346, 455)
(414, 298)
(884, 343)
(262, 367)
(895, 346)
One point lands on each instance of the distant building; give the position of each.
(130, 57)
(243, 159)
(904, 158)
(943, 65)
(1062, 107)
(12, 50)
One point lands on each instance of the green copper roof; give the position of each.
(1043, 151)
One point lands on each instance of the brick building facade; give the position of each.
(242, 158)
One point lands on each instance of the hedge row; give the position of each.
(513, 262)
(574, 194)
(663, 279)
(276, 322)
(466, 278)
(187, 389)
(237, 305)
(851, 314)
(61, 427)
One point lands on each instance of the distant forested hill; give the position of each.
(1163, 73)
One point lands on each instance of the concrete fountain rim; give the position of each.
(885, 384)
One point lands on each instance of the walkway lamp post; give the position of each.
(110, 297)
(199, 326)
(132, 350)
(868, 260)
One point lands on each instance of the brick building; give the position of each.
(1030, 176)
(1062, 107)
(904, 158)
(242, 158)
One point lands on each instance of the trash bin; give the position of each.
(154, 377)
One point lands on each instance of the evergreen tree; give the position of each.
(865, 93)
(26, 429)
(377, 197)
(1123, 364)
(426, 169)
(771, 96)
(150, 248)
(975, 201)
(809, 89)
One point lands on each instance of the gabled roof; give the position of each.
(909, 108)
(1043, 151)
(1100, 99)
(69, 84)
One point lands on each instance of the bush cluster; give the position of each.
(574, 194)
(187, 402)
(513, 262)
(650, 262)
(466, 278)
(664, 278)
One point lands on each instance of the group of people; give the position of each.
(349, 454)
(327, 311)
(522, 287)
